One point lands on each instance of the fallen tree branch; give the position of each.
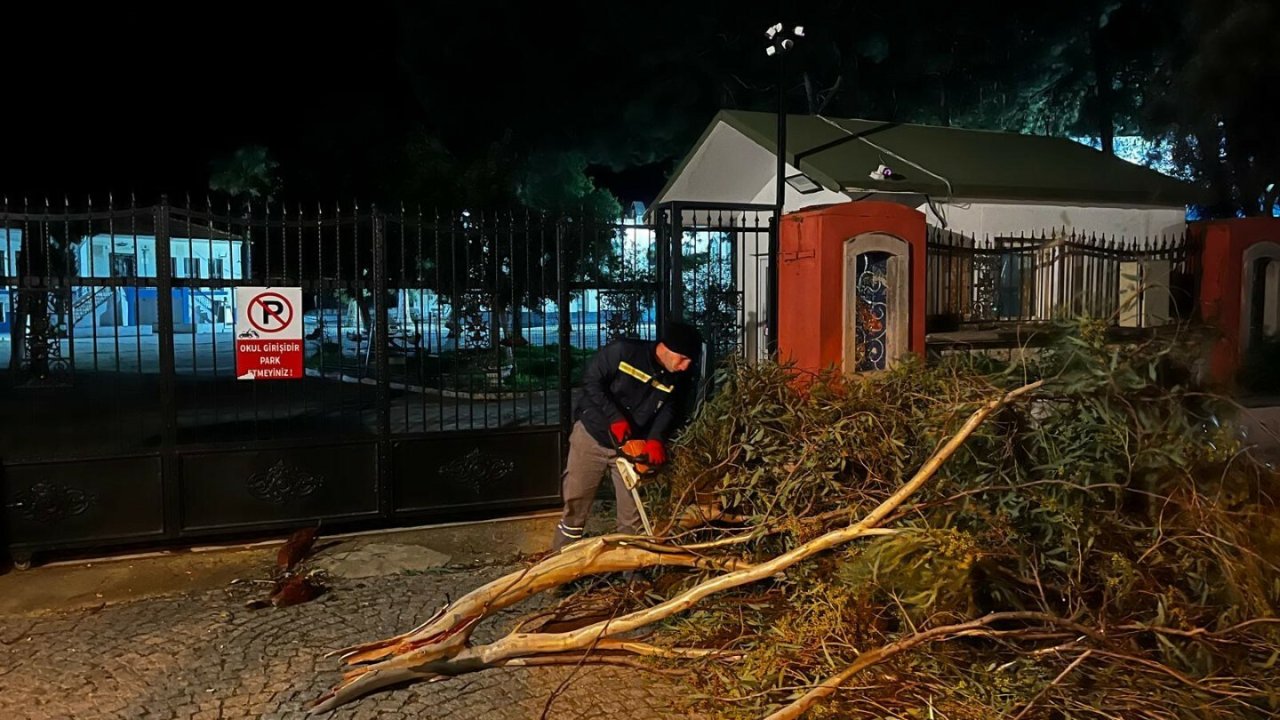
(871, 657)
(440, 648)
(639, 648)
(1199, 632)
(594, 556)
(765, 532)
(576, 659)
(702, 515)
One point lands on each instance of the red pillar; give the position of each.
(1220, 284)
(1223, 244)
(811, 277)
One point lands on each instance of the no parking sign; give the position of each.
(268, 333)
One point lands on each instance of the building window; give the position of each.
(192, 267)
(124, 265)
(871, 323)
(218, 265)
(3, 303)
(4, 263)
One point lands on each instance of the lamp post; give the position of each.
(780, 42)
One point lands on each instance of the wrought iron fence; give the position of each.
(439, 321)
(442, 352)
(1028, 278)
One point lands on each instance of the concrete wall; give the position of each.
(731, 168)
(996, 219)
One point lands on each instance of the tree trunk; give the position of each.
(366, 314)
(511, 318)
(1104, 95)
(452, 322)
(517, 327)
(1247, 187)
(496, 313)
(30, 327)
(1208, 144)
(944, 104)
(39, 333)
(18, 331)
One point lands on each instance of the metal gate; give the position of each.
(442, 355)
(715, 258)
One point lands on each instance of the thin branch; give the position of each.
(1044, 690)
(1162, 668)
(871, 657)
(829, 94)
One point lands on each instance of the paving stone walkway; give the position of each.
(205, 655)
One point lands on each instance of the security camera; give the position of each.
(883, 172)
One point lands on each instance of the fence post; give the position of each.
(675, 264)
(168, 373)
(381, 361)
(564, 333)
(771, 283)
(662, 231)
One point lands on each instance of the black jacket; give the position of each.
(625, 380)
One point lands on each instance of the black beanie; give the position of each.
(683, 339)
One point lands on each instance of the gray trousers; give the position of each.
(583, 470)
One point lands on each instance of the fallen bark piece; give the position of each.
(296, 548)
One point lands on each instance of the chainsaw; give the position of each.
(633, 469)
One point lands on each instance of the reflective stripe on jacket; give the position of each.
(625, 380)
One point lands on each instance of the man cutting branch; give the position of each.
(632, 394)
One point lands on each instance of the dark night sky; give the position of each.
(371, 99)
(115, 97)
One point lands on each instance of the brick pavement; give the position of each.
(205, 655)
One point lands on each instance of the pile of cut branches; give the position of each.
(1078, 537)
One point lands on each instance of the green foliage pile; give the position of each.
(1117, 497)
